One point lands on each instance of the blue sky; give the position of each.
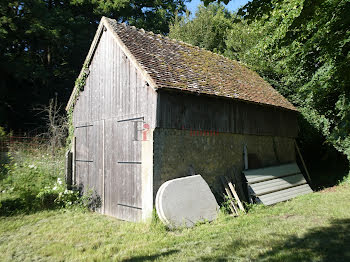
(232, 5)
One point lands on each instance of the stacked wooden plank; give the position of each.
(276, 184)
(234, 202)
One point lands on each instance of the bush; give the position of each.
(2, 132)
(33, 180)
(57, 196)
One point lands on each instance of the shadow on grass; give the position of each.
(329, 243)
(319, 244)
(13, 206)
(151, 257)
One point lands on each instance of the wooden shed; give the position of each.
(154, 109)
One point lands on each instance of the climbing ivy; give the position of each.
(80, 83)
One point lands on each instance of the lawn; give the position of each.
(314, 227)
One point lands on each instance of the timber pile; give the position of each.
(231, 195)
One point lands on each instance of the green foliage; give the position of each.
(2, 132)
(345, 181)
(305, 54)
(225, 205)
(58, 196)
(302, 48)
(33, 180)
(43, 45)
(79, 85)
(207, 30)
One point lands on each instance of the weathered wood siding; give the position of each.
(182, 111)
(108, 118)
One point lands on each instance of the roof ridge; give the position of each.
(214, 73)
(174, 40)
(159, 35)
(171, 39)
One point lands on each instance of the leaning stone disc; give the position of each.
(186, 201)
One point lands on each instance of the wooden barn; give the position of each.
(154, 109)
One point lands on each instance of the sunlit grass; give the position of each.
(312, 227)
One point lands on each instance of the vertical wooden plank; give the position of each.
(114, 90)
(103, 168)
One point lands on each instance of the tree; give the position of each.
(207, 30)
(302, 48)
(44, 42)
(304, 52)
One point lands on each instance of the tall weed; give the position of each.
(33, 180)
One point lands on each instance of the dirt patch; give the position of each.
(329, 189)
(286, 216)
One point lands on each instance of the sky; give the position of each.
(232, 5)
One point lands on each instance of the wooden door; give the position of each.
(83, 157)
(123, 168)
(88, 162)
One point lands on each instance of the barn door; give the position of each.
(88, 161)
(123, 168)
(83, 156)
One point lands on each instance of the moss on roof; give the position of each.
(177, 65)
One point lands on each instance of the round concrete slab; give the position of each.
(186, 201)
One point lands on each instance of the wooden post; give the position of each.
(229, 196)
(69, 170)
(74, 154)
(240, 205)
(302, 160)
(245, 155)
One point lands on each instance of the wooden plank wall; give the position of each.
(115, 102)
(196, 112)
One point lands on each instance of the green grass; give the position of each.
(314, 227)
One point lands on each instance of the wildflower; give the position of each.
(59, 181)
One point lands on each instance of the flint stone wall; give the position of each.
(180, 153)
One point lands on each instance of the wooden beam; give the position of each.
(229, 196)
(87, 60)
(240, 205)
(69, 170)
(245, 156)
(74, 152)
(302, 161)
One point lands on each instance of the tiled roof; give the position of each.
(177, 65)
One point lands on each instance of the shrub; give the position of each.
(33, 180)
(58, 196)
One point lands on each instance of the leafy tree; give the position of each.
(305, 54)
(44, 42)
(303, 49)
(207, 30)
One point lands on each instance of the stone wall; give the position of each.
(179, 153)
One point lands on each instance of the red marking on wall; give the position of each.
(144, 132)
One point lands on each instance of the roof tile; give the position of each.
(177, 65)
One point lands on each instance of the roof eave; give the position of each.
(86, 62)
(294, 109)
(105, 24)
